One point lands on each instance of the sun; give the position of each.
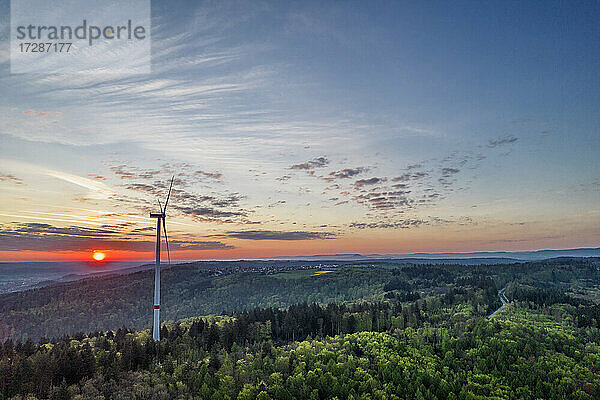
(98, 256)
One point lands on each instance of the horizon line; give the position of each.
(291, 257)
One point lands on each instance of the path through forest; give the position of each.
(503, 299)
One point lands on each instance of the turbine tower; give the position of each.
(160, 217)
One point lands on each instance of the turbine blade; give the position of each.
(169, 195)
(166, 240)
(159, 206)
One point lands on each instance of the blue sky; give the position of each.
(460, 127)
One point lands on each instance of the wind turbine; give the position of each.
(159, 217)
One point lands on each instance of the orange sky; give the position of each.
(437, 243)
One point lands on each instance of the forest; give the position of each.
(366, 331)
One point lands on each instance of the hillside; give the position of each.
(421, 332)
(193, 289)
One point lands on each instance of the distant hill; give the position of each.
(16, 276)
(510, 256)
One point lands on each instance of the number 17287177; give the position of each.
(34, 47)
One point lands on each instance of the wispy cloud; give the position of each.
(405, 224)
(45, 237)
(279, 235)
(347, 172)
(368, 182)
(151, 184)
(11, 179)
(318, 162)
(97, 189)
(410, 176)
(492, 143)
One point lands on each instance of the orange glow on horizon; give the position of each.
(437, 242)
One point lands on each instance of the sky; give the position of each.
(301, 128)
